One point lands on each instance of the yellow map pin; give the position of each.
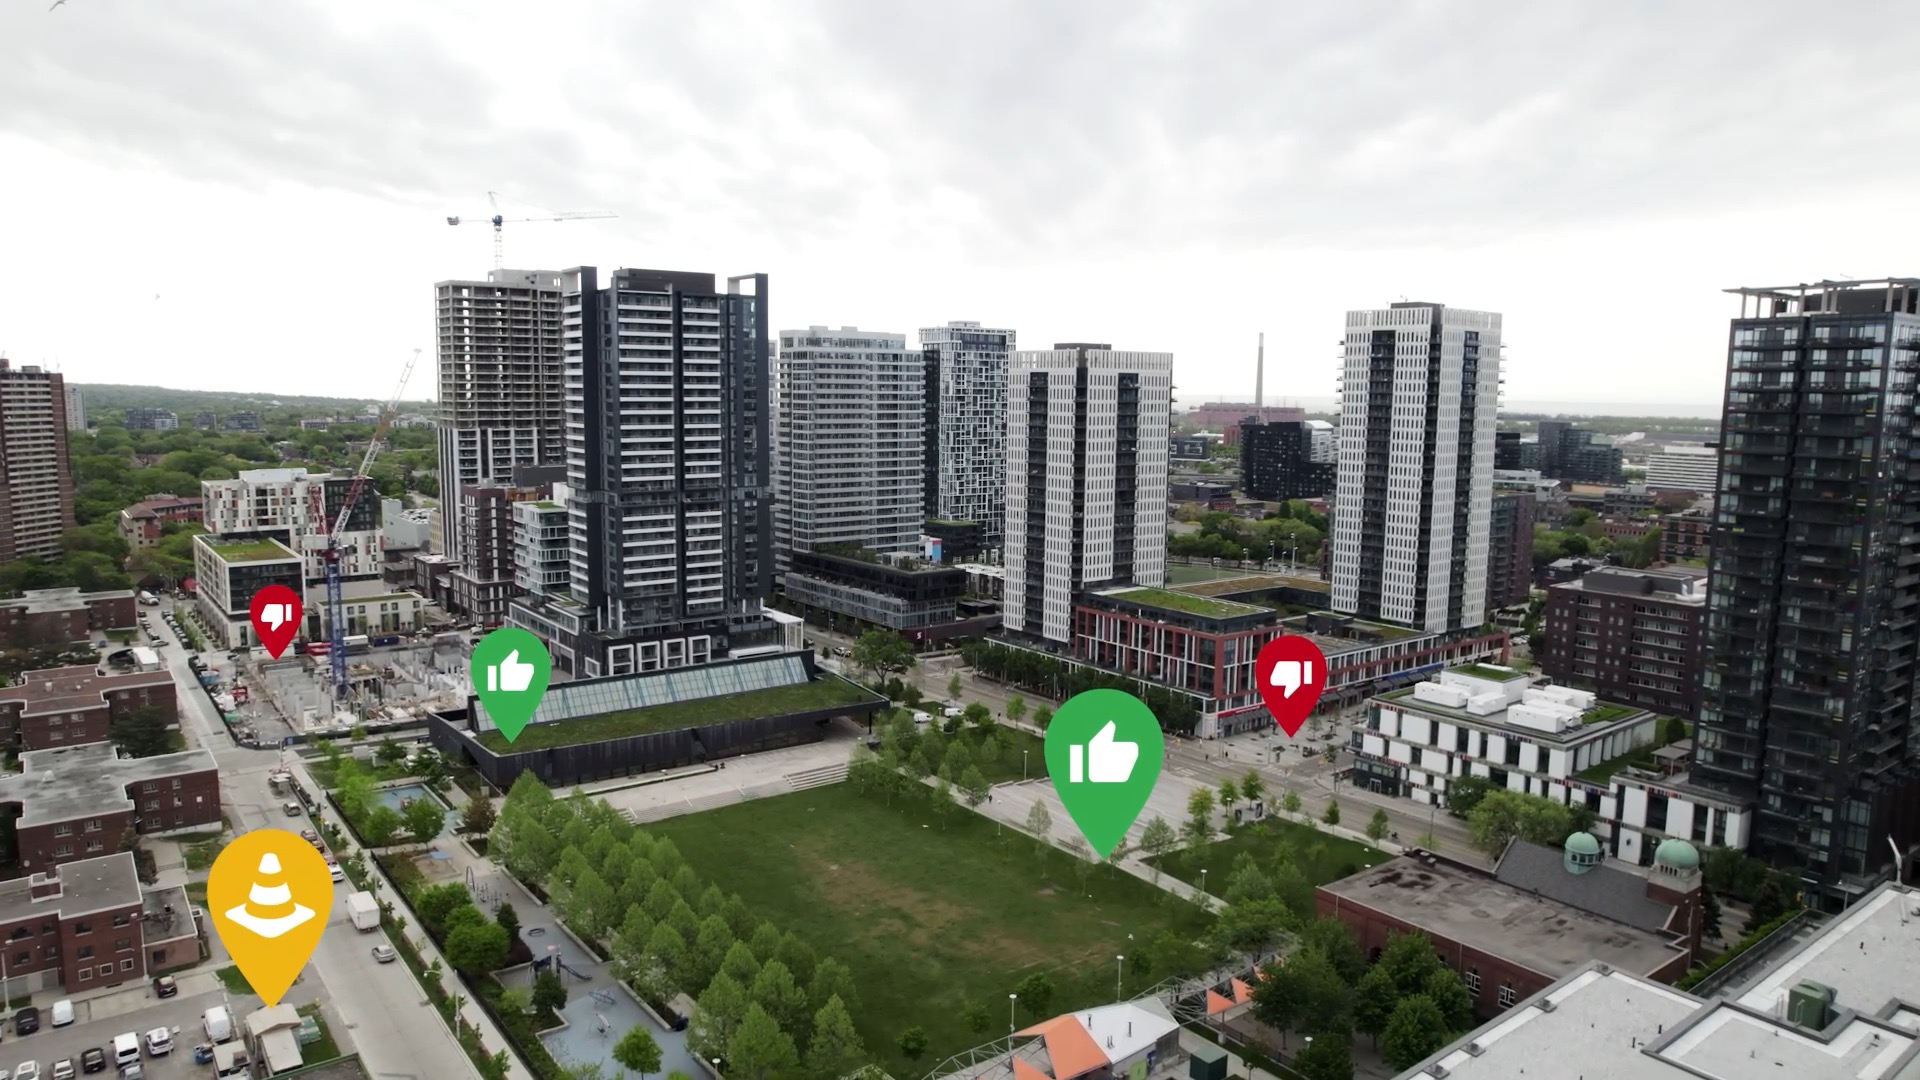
(270, 895)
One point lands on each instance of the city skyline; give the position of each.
(1544, 203)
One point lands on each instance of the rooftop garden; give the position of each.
(1190, 603)
(821, 693)
(1607, 712)
(546, 504)
(1487, 671)
(249, 550)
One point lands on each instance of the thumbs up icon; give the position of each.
(1104, 761)
(510, 674)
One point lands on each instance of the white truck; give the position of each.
(364, 910)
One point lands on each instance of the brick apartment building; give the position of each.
(74, 706)
(142, 524)
(54, 617)
(88, 924)
(1510, 549)
(1686, 535)
(1631, 636)
(81, 802)
(1540, 915)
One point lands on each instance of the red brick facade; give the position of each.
(83, 924)
(47, 618)
(74, 706)
(55, 842)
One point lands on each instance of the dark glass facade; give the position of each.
(1813, 621)
(1276, 462)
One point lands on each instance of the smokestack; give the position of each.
(1260, 375)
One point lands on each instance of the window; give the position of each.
(159, 957)
(1472, 979)
(85, 953)
(124, 944)
(122, 919)
(83, 927)
(106, 971)
(86, 974)
(126, 965)
(1507, 997)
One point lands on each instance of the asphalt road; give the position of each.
(388, 1018)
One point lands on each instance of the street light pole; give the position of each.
(1011, 998)
(1203, 883)
(1023, 766)
(1119, 968)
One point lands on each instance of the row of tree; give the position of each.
(1059, 680)
(1221, 535)
(766, 1005)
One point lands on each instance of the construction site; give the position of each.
(385, 686)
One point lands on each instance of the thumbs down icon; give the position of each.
(276, 615)
(1291, 675)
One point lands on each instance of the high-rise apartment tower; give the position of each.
(1813, 617)
(36, 500)
(1086, 478)
(966, 425)
(849, 442)
(668, 394)
(499, 352)
(1419, 393)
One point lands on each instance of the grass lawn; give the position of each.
(929, 920)
(821, 693)
(1194, 574)
(1483, 671)
(1007, 765)
(1339, 856)
(235, 982)
(1607, 712)
(322, 1048)
(200, 854)
(1191, 603)
(1641, 757)
(235, 551)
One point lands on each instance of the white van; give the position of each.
(126, 1049)
(921, 717)
(217, 1024)
(62, 1012)
(952, 711)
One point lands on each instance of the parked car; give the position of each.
(384, 954)
(159, 1042)
(93, 1060)
(293, 810)
(26, 1021)
(62, 1012)
(28, 1070)
(165, 987)
(334, 872)
(63, 1069)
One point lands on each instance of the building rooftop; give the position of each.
(169, 914)
(1622, 1027)
(1604, 889)
(1541, 934)
(71, 782)
(72, 689)
(247, 550)
(154, 504)
(42, 601)
(1489, 696)
(1190, 603)
(99, 884)
(1662, 585)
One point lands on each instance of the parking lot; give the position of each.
(96, 1022)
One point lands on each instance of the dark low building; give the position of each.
(1190, 447)
(657, 720)
(1506, 450)
(53, 617)
(960, 541)
(72, 706)
(1276, 462)
(1632, 636)
(1201, 492)
(1577, 454)
(1687, 535)
(102, 799)
(900, 594)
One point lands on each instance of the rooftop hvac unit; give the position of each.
(1810, 1005)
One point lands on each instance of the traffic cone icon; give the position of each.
(270, 910)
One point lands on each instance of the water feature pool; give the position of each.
(398, 798)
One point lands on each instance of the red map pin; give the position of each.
(1292, 672)
(276, 618)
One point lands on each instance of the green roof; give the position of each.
(236, 551)
(821, 693)
(1484, 671)
(546, 504)
(1191, 603)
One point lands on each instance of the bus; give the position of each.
(357, 644)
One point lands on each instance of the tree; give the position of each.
(508, 918)
(1334, 940)
(1250, 928)
(1448, 994)
(637, 1050)
(1157, 840)
(1416, 1030)
(974, 783)
(1199, 827)
(1042, 716)
(716, 1016)
(977, 714)
(1246, 882)
(390, 752)
(912, 1042)
(435, 902)
(759, 1050)
(882, 651)
(1036, 994)
(1252, 787)
(425, 818)
(1229, 794)
(1770, 901)
(775, 991)
(1378, 826)
(832, 979)
(943, 804)
(1328, 1057)
(1016, 708)
(1332, 814)
(1465, 792)
(380, 825)
(1502, 816)
(1290, 802)
(143, 732)
(478, 816)
(476, 949)
(549, 992)
(1374, 999)
(1710, 916)
(953, 688)
(976, 1017)
(1409, 960)
(835, 1049)
(1304, 993)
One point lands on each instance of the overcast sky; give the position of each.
(230, 194)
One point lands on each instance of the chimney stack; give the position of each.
(1260, 376)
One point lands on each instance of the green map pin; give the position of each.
(510, 668)
(1104, 750)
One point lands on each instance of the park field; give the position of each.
(1337, 856)
(930, 919)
